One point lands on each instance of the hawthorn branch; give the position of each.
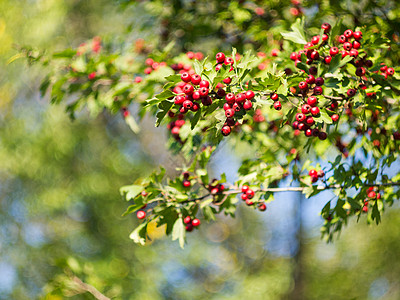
(333, 98)
(84, 287)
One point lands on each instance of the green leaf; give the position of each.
(324, 117)
(133, 125)
(179, 232)
(164, 107)
(164, 95)
(67, 53)
(297, 34)
(130, 191)
(209, 213)
(195, 119)
(198, 67)
(139, 234)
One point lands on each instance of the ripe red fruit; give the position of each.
(274, 96)
(321, 173)
(303, 85)
(262, 207)
(328, 59)
(293, 56)
(220, 57)
(372, 195)
(390, 71)
(342, 39)
(315, 111)
(351, 92)
(247, 105)
(140, 214)
(203, 91)
(188, 89)
(326, 27)
(318, 90)
(315, 39)
(187, 104)
(196, 78)
(300, 117)
(245, 188)
(353, 53)
(314, 55)
(314, 179)
(206, 101)
(227, 80)
(185, 77)
(249, 95)
(230, 98)
(196, 222)
(274, 52)
(319, 81)
(313, 70)
(250, 194)
(243, 197)
(249, 202)
(348, 33)
(241, 97)
(226, 106)
(302, 126)
(278, 105)
(344, 53)
(204, 83)
(310, 121)
(335, 117)
(195, 107)
(360, 71)
(365, 208)
(305, 109)
(226, 130)
(310, 79)
(179, 100)
(175, 130)
(357, 35)
(356, 45)
(236, 107)
(196, 95)
(312, 173)
(187, 220)
(228, 61)
(229, 113)
(308, 132)
(189, 227)
(347, 46)
(186, 183)
(333, 51)
(325, 37)
(312, 101)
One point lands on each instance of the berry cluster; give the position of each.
(372, 195)
(190, 224)
(177, 121)
(247, 196)
(153, 65)
(193, 55)
(215, 188)
(315, 175)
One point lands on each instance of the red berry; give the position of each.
(314, 179)
(186, 77)
(310, 79)
(228, 61)
(365, 208)
(318, 90)
(196, 78)
(351, 92)
(313, 70)
(247, 105)
(328, 59)
(140, 214)
(315, 111)
(189, 227)
(308, 132)
(220, 57)
(262, 207)
(274, 52)
(335, 117)
(310, 121)
(196, 222)
(250, 194)
(293, 56)
(277, 105)
(319, 81)
(312, 101)
(315, 39)
(226, 130)
(204, 83)
(179, 100)
(303, 85)
(325, 37)
(300, 117)
(188, 89)
(187, 220)
(326, 27)
(241, 97)
(312, 173)
(226, 106)
(305, 109)
(245, 188)
(186, 183)
(322, 135)
(230, 98)
(187, 104)
(342, 39)
(196, 95)
(333, 51)
(243, 197)
(227, 80)
(356, 45)
(348, 33)
(353, 53)
(274, 96)
(249, 202)
(249, 95)
(390, 71)
(360, 71)
(203, 91)
(229, 113)
(314, 55)
(347, 46)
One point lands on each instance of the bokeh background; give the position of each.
(60, 208)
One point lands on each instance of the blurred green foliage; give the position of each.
(60, 206)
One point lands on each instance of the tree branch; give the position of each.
(88, 288)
